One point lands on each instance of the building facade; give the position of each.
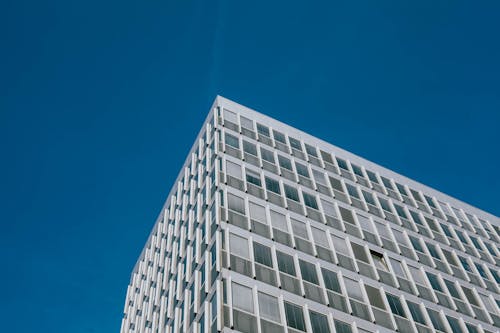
(269, 229)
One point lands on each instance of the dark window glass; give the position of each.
(311, 150)
(319, 322)
(342, 327)
(416, 244)
(284, 162)
(278, 136)
(285, 263)
(395, 305)
(357, 170)
(267, 155)
(262, 254)
(291, 193)
(331, 281)
(253, 178)
(310, 200)
(294, 317)
(416, 313)
(232, 141)
(249, 148)
(436, 320)
(308, 271)
(302, 170)
(263, 130)
(295, 143)
(342, 163)
(273, 185)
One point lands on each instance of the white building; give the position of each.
(269, 229)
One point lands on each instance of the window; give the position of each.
(267, 155)
(452, 289)
(397, 267)
(340, 245)
(359, 252)
(233, 169)
(302, 170)
(268, 307)
(285, 162)
(253, 178)
(342, 163)
(433, 250)
(352, 190)
(285, 263)
(249, 148)
(236, 203)
(331, 280)
(436, 320)
(374, 297)
(416, 244)
(336, 184)
(257, 212)
(310, 200)
(341, 327)
(263, 130)
(299, 229)
(272, 185)
(308, 271)
(326, 157)
(246, 123)
(369, 198)
(454, 324)
(291, 192)
(295, 143)
(242, 297)
(294, 317)
(401, 212)
(319, 177)
(395, 305)
(239, 246)
(372, 176)
(353, 289)
(328, 208)
(378, 259)
(319, 237)
(230, 116)
(278, 220)
(357, 170)
(278, 136)
(319, 322)
(416, 312)
(232, 141)
(262, 254)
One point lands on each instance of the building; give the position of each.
(269, 229)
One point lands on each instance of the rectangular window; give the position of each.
(416, 312)
(291, 192)
(278, 221)
(268, 307)
(253, 178)
(242, 297)
(395, 305)
(239, 246)
(341, 327)
(353, 289)
(295, 143)
(310, 200)
(278, 136)
(342, 163)
(357, 170)
(437, 322)
(294, 317)
(263, 130)
(359, 252)
(397, 267)
(285, 162)
(319, 177)
(378, 259)
(257, 212)
(308, 271)
(236, 203)
(262, 254)
(232, 141)
(285, 263)
(331, 280)
(319, 322)
(452, 289)
(273, 185)
(249, 148)
(233, 170)
(246, 123)
(311, 150)
(374, 296)
(302, 170)
(230, 116)
(267, 155)
(372, 176)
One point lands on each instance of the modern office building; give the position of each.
(269, 229)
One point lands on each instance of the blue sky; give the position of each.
(101, 101)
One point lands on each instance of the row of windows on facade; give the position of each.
(439, 254)
(274, 310)
(291, 270)
(410, 196)
(391, 211)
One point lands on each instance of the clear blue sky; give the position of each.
(100, 102)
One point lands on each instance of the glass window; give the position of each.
(230, 116)
(374, 297)
(232, 141)
(395, 305)
(263, 130)
(278, 220)
(352, 190)
(341, 327)
(372, 176)
(471, 328)
(397, 267)
(295, 143)
(242, 297)
(357, 170)
(246, 123)
(416, 217)
(294, 317)
(454, 324)
(299, 229)
(278, 136)
(387, 182)
(359, 252)
(291, 192)
(385, 204)
(319, 322)
(257, 212)
(262, 254)
(416, 312)
(369, 198)
(273, 185)
(285, 162)
(437, 322)
(331, 280)
(319, 237)
(319, 177)
(342, 163)
(302, 170)
(311, 150)
(452, 289)
(416, 244)
(308, 271)
(417, 275)
(285, 263)
(378, 259)
(340, 245)
(268, 307)
(433, 250)
(326, 157)
(236, 203)
(267, 155)
(249, 148)
(253, 178)
(239, 246)
(481, 271)
(353, 289)
(401, 212)
(401, 189)
(465, 263)
(233, 169)
(328, 208)
(310, 200)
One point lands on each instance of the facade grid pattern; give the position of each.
(269, 229)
